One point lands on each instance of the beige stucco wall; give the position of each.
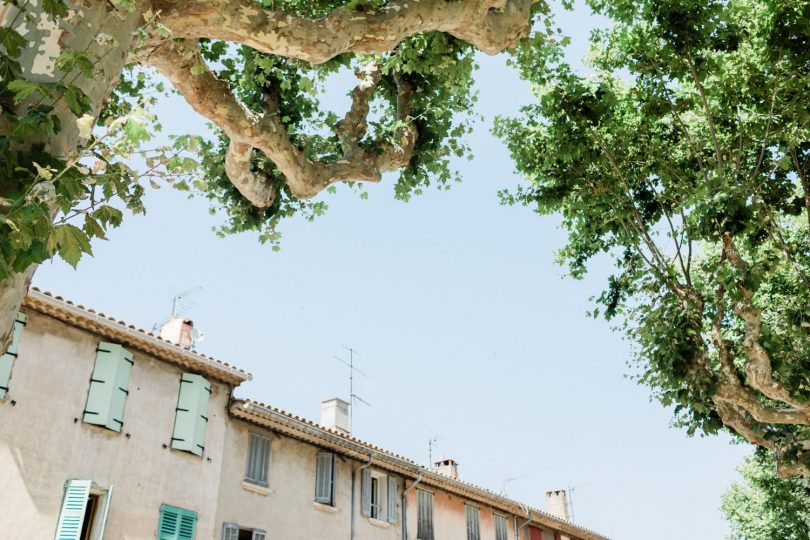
(286, 509)
(450, 517)
(43, 441)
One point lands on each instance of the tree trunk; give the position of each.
(106, 32)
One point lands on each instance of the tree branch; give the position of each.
(212, 98)
(490, 25)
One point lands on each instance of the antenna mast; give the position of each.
(352, 396)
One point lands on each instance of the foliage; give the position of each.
(764, 506)
(684, 158)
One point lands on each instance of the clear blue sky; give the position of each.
(467, 328)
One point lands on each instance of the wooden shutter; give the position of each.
(258, 534)
(74, 505)
(425, 515)
(258, 459)
(500, 528)
(192, 414)
(473, 523)
(393, 493)
(365, 493)
(7, 359)
(176, 523)
(324, 478)
(230, 531)
(108, 386)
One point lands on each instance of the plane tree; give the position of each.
(684, 160)
(79, 78)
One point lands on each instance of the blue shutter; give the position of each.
(7, 359)
(74, 505)
(176, 523)
(365, 492)
(192, 414)
(325, 478)
(108, 386)
(393, 493)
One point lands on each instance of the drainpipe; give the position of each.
(354, 475)
(405, 506)
(528, 520)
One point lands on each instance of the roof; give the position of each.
(308, 431)
(126, 334)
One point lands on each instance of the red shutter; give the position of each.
(535, 534)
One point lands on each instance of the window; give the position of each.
(84, 511)
(424, 529)
(473, 523)
(7, 359)
(232, 531)
(192, 414)
(378, 494)
(108, 387)
(500, 528)
(258, 459)
(176, 523)
(325, 478)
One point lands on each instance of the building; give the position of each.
(112, 432)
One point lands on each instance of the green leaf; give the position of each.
(72, 243)
(71, 60)
(135, 132)
(23, 89)
(78, 102)
(12, 41)
(93, 228)
(55, 8)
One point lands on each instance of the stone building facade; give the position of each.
(109, 432)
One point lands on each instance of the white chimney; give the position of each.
(178, 331)
(557, 503)
(447, 467)
(335, 415)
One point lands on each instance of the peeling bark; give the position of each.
(490, 25)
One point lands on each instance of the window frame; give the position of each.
(319, 497)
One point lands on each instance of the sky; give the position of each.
(469, 332)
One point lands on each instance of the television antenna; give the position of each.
(511, 479)
(352, 369)
(431, 443)
(571, 490)
(181, 303)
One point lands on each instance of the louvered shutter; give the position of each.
(176, 523)
(324, 478)
(258, 459)
(259, 534)
(230, 531)
(393, 494)
(500, 528)
(192, 414)
(7, 359)
(473, 524)
(425, 515)
(108, 386)
(365, 493)
(74, 506)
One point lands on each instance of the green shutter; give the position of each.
(176, 523)
(74, 506)
(108, 386)
(393, 493)
(7, 360)
(192, 414)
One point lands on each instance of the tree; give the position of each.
(253, 67)
(685, 159)
(765, 506)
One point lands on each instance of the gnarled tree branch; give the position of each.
(490, 25)
(305, 178)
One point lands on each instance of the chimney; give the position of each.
(335, 415)
(557, 503)
(178, 331)
(447, 467)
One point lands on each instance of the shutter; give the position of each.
(324, 473)
(192, 414)
(108, 387)
(230, 531)
(473, 523)
(500, 528)
(74, 506)
(425, 516)
(258, 459)
(7, 359)
(259, 534)
(393, 493)
(365, 493)
(104, 513)
(176, 523)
